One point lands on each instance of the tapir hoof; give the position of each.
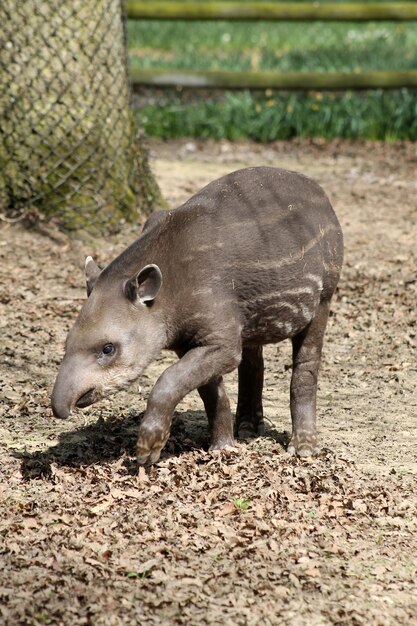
(148, 458)
(247, 430)
(303, 446)
(149, 446)
(221, 443)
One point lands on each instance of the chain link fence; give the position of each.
(69, 144)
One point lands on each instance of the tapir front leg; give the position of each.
(219, 414)
(196, 369)
(307, 347)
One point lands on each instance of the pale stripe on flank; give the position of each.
(315, 279)
(306, 313)
(280, 294)
(276, 264)
(207, 247)
(276, 305)
(287, 327)
(202, 291)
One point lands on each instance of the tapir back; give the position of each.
(265, 238)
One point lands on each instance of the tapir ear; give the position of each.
(92, 272)
(144, 287)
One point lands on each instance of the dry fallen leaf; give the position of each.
(227, 509)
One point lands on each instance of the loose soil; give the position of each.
(244, 537)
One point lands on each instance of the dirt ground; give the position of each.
(248, 536)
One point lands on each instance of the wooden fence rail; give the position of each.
(288, 81)
(352, 11)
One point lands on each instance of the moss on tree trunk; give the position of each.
(69, 142)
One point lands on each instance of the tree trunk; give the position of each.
(69, 143)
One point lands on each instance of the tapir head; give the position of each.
(118, 333)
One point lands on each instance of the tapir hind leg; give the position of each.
(217, 406)
(249, 413)
(307, 347)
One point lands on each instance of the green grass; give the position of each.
(314, 46)
(376, 115)
(292, 46)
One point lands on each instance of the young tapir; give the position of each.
(253, 258)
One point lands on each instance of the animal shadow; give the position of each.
(108, 440)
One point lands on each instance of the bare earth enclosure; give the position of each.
(248, 536)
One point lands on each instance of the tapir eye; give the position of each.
(108, 349)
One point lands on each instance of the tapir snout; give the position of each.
(72, 390)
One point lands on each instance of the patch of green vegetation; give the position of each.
(242, 504)
(280, 47)
(139, 575)
(377, 115)
(42, 618)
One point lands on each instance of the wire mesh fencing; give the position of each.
(69, 144)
